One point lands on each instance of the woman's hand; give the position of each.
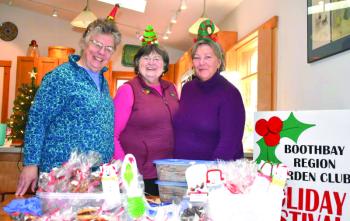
(28, 177)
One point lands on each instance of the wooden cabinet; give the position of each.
(24, 66)
(57, 56)
(6, 66)
(43, 64)
(10, 168)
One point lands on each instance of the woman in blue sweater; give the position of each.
(209, 124)
(72, 109)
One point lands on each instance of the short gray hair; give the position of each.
(216, 48)
(100, 26)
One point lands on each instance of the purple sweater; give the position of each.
(210, 122)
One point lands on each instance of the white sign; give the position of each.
(315, 145)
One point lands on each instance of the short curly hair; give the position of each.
(148, 49)
(100, 26)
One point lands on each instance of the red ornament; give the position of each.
(272, 139)
(270, 130)
(275, 124)
(261, 127)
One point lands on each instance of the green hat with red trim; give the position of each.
(206, 31)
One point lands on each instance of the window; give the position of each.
(250, 66)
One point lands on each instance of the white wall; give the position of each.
(300, 86)
(48, 31)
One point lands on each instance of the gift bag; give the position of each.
(224, 206)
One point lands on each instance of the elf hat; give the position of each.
(149, 36)
(206, 31)
(111, 15)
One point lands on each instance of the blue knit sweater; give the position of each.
(210, 122)
(69, 113)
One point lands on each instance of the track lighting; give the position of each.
(54, 13)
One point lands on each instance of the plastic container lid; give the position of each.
(169, 183)
(182, 162)
(56, 195)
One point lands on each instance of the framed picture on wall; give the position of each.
(328, 28)
(129, 52)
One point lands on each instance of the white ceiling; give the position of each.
(158, 13)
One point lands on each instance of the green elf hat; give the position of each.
(111, 15)
(149, 36)
(206, 31)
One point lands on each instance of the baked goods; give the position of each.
(87, 214)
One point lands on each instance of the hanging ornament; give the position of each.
(33, 73)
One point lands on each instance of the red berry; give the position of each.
(272, 139)
(261, 127)
(275, 125)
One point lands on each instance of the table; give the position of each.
(10, 168)
(9, 197)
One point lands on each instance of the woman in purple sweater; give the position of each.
(210, 122)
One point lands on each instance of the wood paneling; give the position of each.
(24, 66)
(5, 89)
(170, 74)
(44, 65)
(265, 75)
(227, 39)
(266, 35)
(119, 75)
(10, 168)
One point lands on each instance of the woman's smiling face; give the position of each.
(151, 67)
(98, 51)
(205, 62)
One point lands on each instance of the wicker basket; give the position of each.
(60, 51)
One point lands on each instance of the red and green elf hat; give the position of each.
(206, 31)
(149, 36)
(112, 14)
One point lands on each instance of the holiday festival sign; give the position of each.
(315, 145)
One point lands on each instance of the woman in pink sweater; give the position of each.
(144, 110)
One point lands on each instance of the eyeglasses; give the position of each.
(155, 59)
(197, 59)
(98, 46)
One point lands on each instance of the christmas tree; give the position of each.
(149, 36)
(23, 101)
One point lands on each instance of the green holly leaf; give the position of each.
(267, 153)
(292, 128)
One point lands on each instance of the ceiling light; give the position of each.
(183, 5)
(194, 28)
(136, 5)
(168, 30)
(174, 18)
(54, 13)
(84, 18)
